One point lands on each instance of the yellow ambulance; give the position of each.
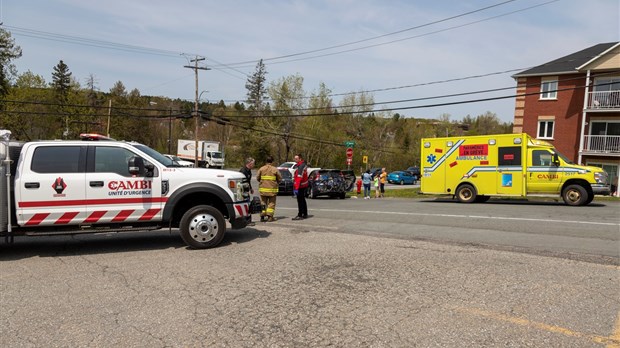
(474, 168)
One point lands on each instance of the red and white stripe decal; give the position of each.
(95, 216)
(36, 219)
(242, 209)
(122, 215)
(62, 203)
(149, 214)
(66, 218)
(74, 218)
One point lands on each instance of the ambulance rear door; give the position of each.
(433, 171)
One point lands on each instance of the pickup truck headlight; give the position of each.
(240, 189)
(601, 178)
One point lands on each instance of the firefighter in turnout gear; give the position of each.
(268, 178)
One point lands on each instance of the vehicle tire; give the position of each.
(466, 193)
(202, 227)
(343, 195)
(402, 182)
(575, 195)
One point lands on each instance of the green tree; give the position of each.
(256, 87)
(288, 96)
(61, 82)
(8, 52)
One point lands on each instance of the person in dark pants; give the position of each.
(300, 186)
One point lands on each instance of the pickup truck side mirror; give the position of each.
(137, 167)
(556, 160)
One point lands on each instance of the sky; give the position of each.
(402, 52)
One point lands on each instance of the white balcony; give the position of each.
(604, 101)
(602, 144)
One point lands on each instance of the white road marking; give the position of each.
(465, 216)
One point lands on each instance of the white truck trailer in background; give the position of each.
(209, 153)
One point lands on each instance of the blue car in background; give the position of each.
(401, 177)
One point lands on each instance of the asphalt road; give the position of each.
(358, 273)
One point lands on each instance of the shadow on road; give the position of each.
(90, 244)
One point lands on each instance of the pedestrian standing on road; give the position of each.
(366, 178)
(382, 181)
(377, 187)
(300, 186)
(268, 178)
(247, 171)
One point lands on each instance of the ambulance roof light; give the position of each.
(491, 141)
(517, 140)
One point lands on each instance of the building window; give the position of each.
(545, 129)
(549, 89)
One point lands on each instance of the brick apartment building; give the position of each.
(573, 102)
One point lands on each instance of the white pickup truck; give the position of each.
(70, 187)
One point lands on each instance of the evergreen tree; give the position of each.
(256, 95)
(257, 89)
(61, 82)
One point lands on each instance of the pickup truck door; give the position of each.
(543, 176)
(49, 189)
(114, 195)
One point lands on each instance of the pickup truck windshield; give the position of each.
(156, 155)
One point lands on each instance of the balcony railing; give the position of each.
(605, 100)
(602, 144)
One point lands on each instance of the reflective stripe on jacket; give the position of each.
(268, 178)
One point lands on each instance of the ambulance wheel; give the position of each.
(466, 193)
(202, 227)
(575, 195)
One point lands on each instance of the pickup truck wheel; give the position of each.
(466, 194)
(575, 195)
(202, 227)
(402, 182)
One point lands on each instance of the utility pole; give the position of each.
(196, 68)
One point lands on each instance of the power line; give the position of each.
(374, 37)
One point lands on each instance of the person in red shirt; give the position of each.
(300, 186)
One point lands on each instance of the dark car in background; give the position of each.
(414, 171)
(326, 182)
(285, 187)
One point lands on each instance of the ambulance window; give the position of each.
(509, 156)
(112, 160)
(56, 159)
(541, 158)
